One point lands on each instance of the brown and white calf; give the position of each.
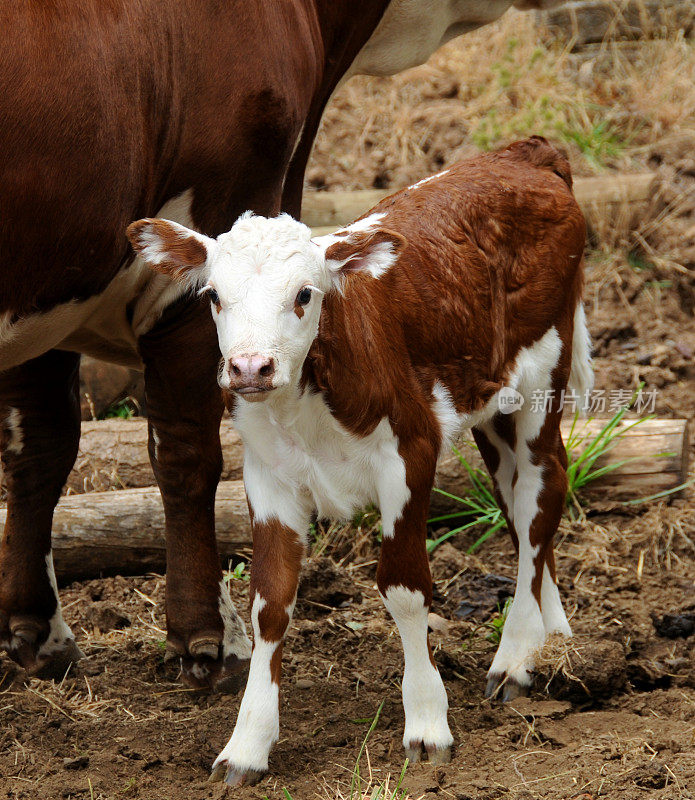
(352, 360)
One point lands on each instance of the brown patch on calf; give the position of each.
(180, 252)
(277, 559)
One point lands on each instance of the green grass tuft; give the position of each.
(480, 507)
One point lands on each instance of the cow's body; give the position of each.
(112, 110)
(472, 287)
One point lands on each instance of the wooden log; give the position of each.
(113, 455)
(108, 533)
(593, 21)
(326, 211)
(104, 533)
(645, 473)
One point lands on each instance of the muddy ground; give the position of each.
(613, 713)
(621, 726)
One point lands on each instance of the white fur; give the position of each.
(235, 640)
(107, 325)
(258, 722)
(369, 223)
(298, 458)
(157, 442)
(428, 180)
(581, 379)
(554, 617)
(58, 632)
(382, 256)
(14, 425)
(424, 697)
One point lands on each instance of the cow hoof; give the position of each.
(226, 676)
(436, 755)
(47, 660)
(504, 687)
(233, 776)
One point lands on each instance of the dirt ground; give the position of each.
(613, 712)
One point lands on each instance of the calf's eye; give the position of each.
(303, 296)
(214, 297)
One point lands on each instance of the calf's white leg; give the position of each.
(278, 550)
(405, 584)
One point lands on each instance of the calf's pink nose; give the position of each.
(251, 370)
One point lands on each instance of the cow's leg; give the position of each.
(405, 585)
(280, 524)
(40, 413)
(185, 408)
(526, 443)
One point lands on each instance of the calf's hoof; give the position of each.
(501, 686)
(41, 656)
(234, 776)
(436, 755)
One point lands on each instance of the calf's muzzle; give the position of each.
(251, 373)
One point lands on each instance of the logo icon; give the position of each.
(509, 400)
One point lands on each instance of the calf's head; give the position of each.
(265, 279)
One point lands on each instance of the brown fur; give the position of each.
(493, 260)
(277, 560)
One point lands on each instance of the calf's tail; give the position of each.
(581, 380)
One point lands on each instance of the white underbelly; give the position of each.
(107, 325)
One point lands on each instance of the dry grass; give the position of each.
(509, 80)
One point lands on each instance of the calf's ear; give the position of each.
(172, 249)
(373, 252)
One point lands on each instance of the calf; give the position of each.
(351, 361)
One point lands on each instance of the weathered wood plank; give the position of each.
(325, 211)
(593, 21)
(113, 455)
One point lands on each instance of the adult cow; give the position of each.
(112, 110)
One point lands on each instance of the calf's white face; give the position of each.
(266, 279)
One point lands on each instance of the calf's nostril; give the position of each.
(266, 370)
(236, 370)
